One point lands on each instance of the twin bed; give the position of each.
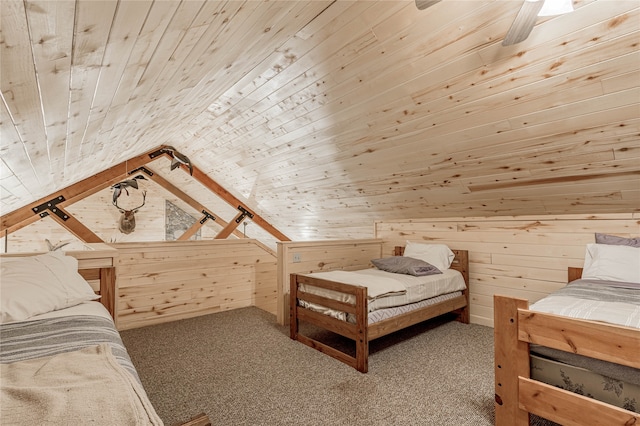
(368, 304)
(62, 360)
(574, 356)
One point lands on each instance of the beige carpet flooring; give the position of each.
(241, 368)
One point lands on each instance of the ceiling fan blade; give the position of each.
(423, 4)
(524, 22)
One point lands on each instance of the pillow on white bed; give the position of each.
(612, 263)
(438, 255)
(617, 241)
(35, 285)
(405, 265)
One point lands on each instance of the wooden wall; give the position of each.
(523, 256)
(167, 281)
(315, 256)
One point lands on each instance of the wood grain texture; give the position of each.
(322, 117)
(520, 256)
(167, 281)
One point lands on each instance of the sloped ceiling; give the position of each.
(327, 115)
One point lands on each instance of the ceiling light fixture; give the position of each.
(556, 7)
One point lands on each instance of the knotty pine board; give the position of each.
(521, 256)
(168, 281)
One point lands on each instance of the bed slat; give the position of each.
(545, 400)
(398, 322)
(342, 328)
(582, 337)
(326, 302)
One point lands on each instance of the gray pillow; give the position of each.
(613, 240)
(405, 265)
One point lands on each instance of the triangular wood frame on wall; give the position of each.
(54, 205)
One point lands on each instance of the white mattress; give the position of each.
(415, 288)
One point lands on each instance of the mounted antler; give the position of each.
(127, 222)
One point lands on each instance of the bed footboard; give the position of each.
(517, 395)
(356, 332)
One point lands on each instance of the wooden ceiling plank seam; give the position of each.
(199, 89)
(505, 151)
(557, 32)
(182, 49)
(51, 31)
(301, 47)
(281, 56)
(272, 16)
(19, 84)
(157, 67)
(234, 97)
(537, 88)
(344, 115)
(125, 27)
(11, 142)
(90, 35)
(299, 66)
(152, 31)
(345, 94)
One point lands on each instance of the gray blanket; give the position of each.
(606, 291)
(46, 337)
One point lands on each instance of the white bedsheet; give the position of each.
(415, 289)
(611, 312)
(595, 300)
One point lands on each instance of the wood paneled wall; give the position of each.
(304, 257)
(168, 281)
(525, 256)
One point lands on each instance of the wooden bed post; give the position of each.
(293, 302)
(511, 361)
(362, 322)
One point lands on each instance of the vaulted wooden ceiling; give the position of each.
(323, 116)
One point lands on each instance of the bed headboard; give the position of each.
(573, 274)
(460, 261)
(97, 265)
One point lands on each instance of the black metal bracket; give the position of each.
(206, 217)
(244, 214)
(158, 153)
(51, 205)
(142, 169)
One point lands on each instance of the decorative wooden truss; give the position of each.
(55, 204)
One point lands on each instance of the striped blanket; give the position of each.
(62, 371)
(615, 303)
(46, 337)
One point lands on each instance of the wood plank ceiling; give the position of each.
(324, 116)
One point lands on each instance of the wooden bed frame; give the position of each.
(106, 276)
(98, 268)
(517, 395)
(361, 332)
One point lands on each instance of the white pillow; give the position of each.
(35, 285)
(439, 255)
(612, 263)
